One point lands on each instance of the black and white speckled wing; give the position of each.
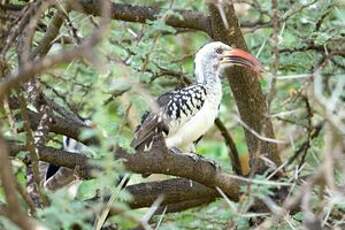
(175, 109)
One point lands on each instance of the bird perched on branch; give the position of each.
(184, 115)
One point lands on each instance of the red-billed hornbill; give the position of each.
(184, 115)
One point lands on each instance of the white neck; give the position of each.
(208, 75)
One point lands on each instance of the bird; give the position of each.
(62, 175)
(184, 115)
(57, 176)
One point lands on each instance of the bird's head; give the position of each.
(213, 57)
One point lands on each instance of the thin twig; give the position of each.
(267, 139)
(233, 153)
(275, 44)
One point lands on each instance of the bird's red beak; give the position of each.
(242, 58)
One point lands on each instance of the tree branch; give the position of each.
(233, 153)
(179, 193)
(158, 160)
(176, 191)
(61, 125)
(142, 14)
(13, 210)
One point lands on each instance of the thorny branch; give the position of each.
(198, 187)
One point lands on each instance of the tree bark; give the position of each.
(143, 14)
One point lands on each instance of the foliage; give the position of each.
(136, 62)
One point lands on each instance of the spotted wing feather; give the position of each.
(151, 125)
(175, 109)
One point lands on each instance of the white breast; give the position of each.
(197, 126)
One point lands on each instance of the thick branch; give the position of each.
(179, 194)
(158, 160)
(142, 14)
(176, 191)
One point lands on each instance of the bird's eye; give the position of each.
(219, 51)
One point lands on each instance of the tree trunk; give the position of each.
(246, 89)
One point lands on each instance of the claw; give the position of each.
(213, 163)
(175, 150)
(194, 156)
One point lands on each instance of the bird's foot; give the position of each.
(175, 150)
(213, 163)
(197, 157)
(194, 156)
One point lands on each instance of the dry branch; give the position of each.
(196, 188)
(33, 154)
(30, 70)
